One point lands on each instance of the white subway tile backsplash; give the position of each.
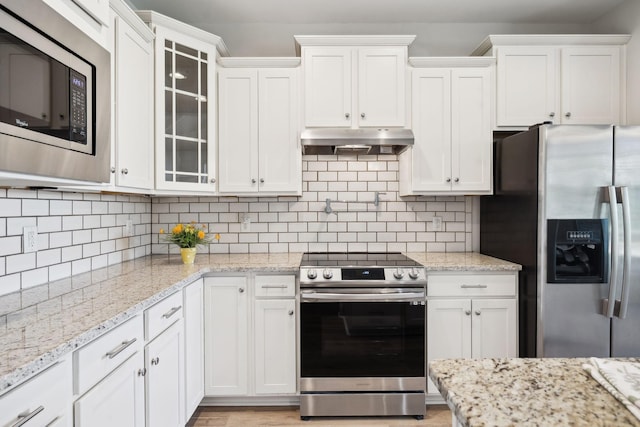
(21, 262)
(10, 245)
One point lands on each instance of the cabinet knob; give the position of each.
(241, 290)
(142, 372)
(253, 180)
(113, 169)
(347, 115)
(261, 180)
(290, 312)
(124, 171)
(448, 179)
(362, 115)
(456, 180)
(552, 114)
(467, 312)
(212, 180)
(155, 361)
(477, 312)
(568, 114)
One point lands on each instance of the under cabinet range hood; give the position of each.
(356, 141)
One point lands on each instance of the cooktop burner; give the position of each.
(351, 259)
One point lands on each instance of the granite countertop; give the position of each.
(527, 392)
(41, 324)
(462, 261)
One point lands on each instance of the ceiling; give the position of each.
(258, 18)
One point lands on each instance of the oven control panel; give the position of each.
(362, 275)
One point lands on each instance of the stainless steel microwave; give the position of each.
(54, 96)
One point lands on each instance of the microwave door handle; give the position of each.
(626, 269)
(609, 304)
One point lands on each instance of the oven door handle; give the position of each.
(313, 296)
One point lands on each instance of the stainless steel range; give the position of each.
(362, 335)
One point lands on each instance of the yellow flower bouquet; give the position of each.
(189, 236)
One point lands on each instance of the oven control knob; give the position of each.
(312, 274)
(398, 274)
(327, 274)
(413, 273)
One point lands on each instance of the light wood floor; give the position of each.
(437, 416)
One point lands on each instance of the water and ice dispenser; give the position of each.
(577, 250)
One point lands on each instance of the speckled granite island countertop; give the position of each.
(526, 392)
(41, 324)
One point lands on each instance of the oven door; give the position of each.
(362, 339)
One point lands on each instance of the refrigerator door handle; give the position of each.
(609, 304)
(626, 269)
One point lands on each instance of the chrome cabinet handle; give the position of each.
(261, 180)
(477, 312)
(473, 286)
(290, 312)
(456, 180)
(552, 114)
(274, 286)
(362, 115)
(113, 169)
(568, 115)
(347, 115)
(253, 180)
(171, 312)
(155, 361)
(241, 290)
(116, 351)
(142, 372)
(212, 180)
(448, 179)
(467, 312)
(23, 419)
(124, 171)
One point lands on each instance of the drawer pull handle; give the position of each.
(171, 312)
(274, 286)
(473, 286)
(155, 361)
(23, 419)
(142, 372)
(116, 351)
(53, 421)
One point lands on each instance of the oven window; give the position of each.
(362, 339)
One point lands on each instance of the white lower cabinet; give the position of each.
(250, 335)
(164, 378)
(193, 295)
(118, 400)
(44, 400)
(471, 315)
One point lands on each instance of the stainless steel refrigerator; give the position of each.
(566, 206)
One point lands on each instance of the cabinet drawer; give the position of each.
(102, 355)
(162, 315)
(276, 286)
(471, 285)
(44, 399)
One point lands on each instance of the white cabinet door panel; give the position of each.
(493, 328)
(193, 347)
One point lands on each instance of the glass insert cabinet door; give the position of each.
(185, 112)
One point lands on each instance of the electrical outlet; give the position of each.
(29, 239)
(436, 222)
(128, 228)
(245, 225)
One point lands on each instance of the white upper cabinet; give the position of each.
(451, 121)
(185, 104)
(567, 79)
(356, 81)
(132, 89)
(259, 149)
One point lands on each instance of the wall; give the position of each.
(282, 224)
(77, 232)
(626, 19)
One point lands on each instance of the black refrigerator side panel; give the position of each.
(509, 224)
